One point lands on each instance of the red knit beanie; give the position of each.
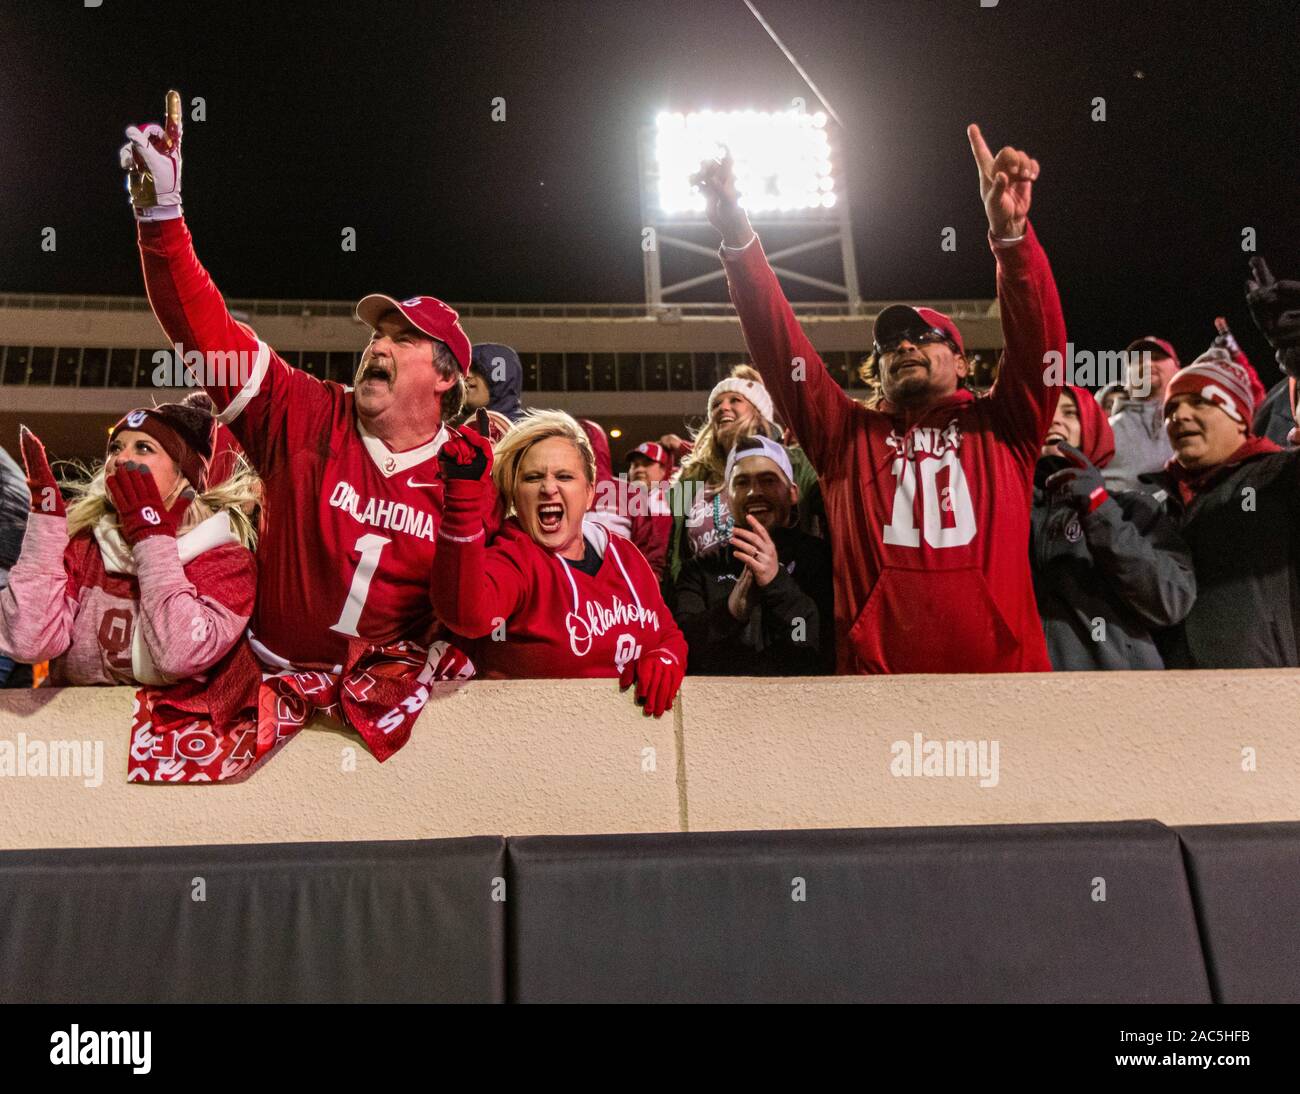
(1217, 379)
(185, 430)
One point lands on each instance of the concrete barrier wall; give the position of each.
(576, 757)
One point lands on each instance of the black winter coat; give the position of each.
(1244, 533)
(1105, 581)
(791, 631)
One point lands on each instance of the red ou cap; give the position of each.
(424, 313)
(655, 453)
(898, 318)
(1154, 343)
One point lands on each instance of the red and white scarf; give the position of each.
(197, 732)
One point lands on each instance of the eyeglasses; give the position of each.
(924, 337)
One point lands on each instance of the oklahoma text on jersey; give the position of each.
(601, 619)
(395, 516)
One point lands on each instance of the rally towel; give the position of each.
(380, 692)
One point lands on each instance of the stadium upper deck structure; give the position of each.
(71, 365)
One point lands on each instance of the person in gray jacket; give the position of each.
(1109, 567)
(1141, 444)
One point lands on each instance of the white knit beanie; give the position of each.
(755, 392)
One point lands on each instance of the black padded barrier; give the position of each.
(401, 921)
(961, 914)
(1245, 879)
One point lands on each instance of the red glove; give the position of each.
(658, 675)
(134, 494)
(46, 498)
(467, 452)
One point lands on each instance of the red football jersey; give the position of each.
(534, 615)
(928, 513)
(348, 544)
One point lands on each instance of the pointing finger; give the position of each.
(980, 150)
(173, 117)
(1072, 454)
(1263, 275)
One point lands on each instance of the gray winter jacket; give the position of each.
(1141, 444)
(1107, 580)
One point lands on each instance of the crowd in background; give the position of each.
(214, 555)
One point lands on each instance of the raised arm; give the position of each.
(249, 383)
(39, 605)
(472, 589)
(1032, 323)
(806, 397)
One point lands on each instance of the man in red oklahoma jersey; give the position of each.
(353, 491)
(927, 498)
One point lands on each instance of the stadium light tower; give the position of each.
(786, 179)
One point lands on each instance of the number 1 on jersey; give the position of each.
(370, 546)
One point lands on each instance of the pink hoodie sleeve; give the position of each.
(38, 606)
(191, 616)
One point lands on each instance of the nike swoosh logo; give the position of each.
(412, 482)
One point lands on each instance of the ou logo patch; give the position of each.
(1073, 530)
(150, 514)
(136, 418)
(626, 650)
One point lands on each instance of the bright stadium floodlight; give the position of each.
(785, 175)
(782, 161)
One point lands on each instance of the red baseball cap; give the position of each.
(654, 452)
(424, 313)
(897, 318)
(1155, 343)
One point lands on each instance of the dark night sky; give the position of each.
(377, 115)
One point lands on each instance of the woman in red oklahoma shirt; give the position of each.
(548, 598)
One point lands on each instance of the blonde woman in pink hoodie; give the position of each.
(148, 576)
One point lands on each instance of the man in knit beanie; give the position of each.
(1208, 409)
(1236, 500)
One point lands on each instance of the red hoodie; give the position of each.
(533, 613)
(1096, 438)
(928, 514)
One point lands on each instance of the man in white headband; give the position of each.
(763, 605)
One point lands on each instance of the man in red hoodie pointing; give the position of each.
(927, 497)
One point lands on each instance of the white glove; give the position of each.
(152, 158)
(448, 662)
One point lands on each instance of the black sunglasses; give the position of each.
(922, 336)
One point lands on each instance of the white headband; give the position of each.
(756, 393)
(759, 445)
